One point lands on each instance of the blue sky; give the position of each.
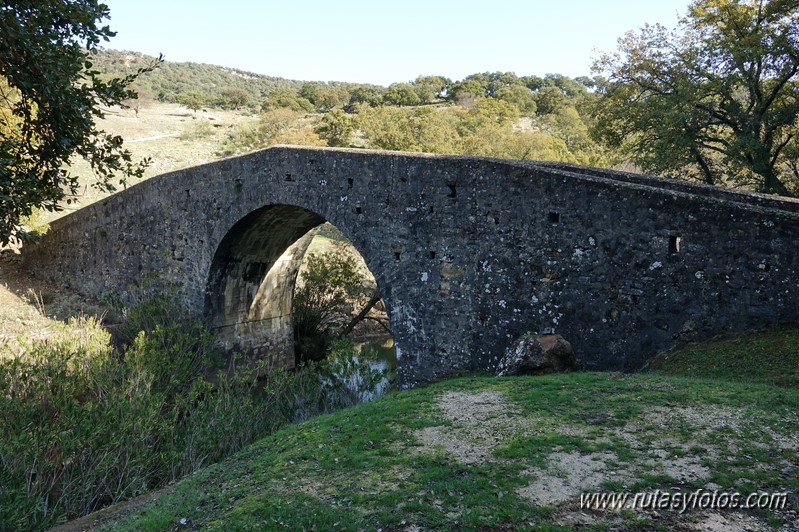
(384, 42)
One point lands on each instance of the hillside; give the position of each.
(172, 136)
(172, 81)
(501, 454)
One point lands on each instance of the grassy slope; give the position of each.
(771, 357)
(369, 467)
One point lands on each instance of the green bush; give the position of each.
(243, 139)
(331, 286)
(85, 425)
(198, 130)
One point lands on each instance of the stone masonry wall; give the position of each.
(468, 253)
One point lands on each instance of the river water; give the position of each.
(380, 355)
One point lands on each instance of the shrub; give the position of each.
(198, 130)
(85, 425)
(275, 126)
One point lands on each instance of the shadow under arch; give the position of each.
(250, 284)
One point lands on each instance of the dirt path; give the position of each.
(154, 137)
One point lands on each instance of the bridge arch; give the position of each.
(252, 277)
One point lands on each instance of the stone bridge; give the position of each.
(468, 253)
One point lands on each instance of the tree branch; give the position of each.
(362, 314)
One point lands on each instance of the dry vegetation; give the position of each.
(173, 136)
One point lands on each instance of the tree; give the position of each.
(324, 96)
(520, 96)
(410, 129)
(430, 88)
(333, 293)
(550, 99)
(143, 99)
(465, 92)
(402, 94)
(50, 97)
(283, 97)
(336, 128)
(567, 125)
(365, 94)
(193, 101)
(236, 98)
(716, 100)
(486, 83)
(499, 111)
(570, 87)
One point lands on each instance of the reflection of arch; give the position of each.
(250, 287)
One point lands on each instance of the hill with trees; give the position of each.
(213, 86)
(496, 114)
(714, 100)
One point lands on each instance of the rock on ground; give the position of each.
(538, 355)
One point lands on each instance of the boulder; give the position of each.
(538, 354)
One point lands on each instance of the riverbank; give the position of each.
(486, 453)
(513, 453)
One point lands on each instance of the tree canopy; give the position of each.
(715, 100)
(50, 96)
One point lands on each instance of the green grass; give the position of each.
(771, 356)
(366, 467)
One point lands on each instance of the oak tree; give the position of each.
(284, 97)
(336, 128)
(715, 100)
(50, 98)
(235, 97)
(402, 94)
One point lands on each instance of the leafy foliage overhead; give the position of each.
(50, 96)
(716, 100)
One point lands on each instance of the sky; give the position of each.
(383, 42)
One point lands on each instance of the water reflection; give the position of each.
(378, 350)
(380, 355)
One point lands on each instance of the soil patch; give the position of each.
(475, 425)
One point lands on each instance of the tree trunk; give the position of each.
(772, 183)
(361, 315)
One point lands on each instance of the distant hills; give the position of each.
(173, 82)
